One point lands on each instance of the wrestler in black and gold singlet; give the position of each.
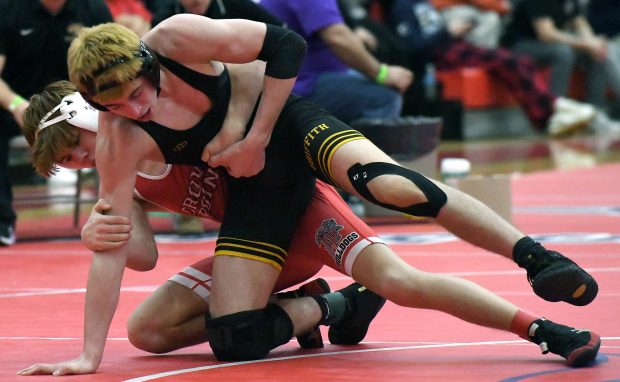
(263, 210)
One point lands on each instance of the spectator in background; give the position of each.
(131, 13)
(215, 9)
(424, 97)
(557, 33)
(34, 39)
(603, 16)
(375, 35)
(152, 5)
(339, 73)
(485, 16)
(434, 41)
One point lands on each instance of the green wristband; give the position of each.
(17, 100)
(382, 74)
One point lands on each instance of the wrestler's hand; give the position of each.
(104, 232)
(244, 158)
(79, 365)
(229, 134)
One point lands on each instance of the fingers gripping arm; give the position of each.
(106, 232)
(103, 231)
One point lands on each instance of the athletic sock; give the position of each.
(521, 322)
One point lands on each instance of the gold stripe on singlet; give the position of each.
(329, 147)
(255, 250)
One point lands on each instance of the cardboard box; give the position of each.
(493, 190)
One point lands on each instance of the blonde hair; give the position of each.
(102, 59)
(48, 143)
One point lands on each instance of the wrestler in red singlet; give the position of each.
(329, 233)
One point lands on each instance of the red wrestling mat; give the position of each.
(576, 212)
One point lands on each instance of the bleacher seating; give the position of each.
(476, 88)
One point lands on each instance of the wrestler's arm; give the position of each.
(237, 41)
(117, 165)
(103, 231)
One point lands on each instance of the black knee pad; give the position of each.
(360, 175)
(250, 334)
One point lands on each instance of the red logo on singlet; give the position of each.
(328, 236)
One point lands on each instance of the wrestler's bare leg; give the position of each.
(382, 271)
(173, 317)
(551, 275)
(462, 215)
(240, 284)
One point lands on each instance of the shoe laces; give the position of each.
(555, 338)
(537, 261)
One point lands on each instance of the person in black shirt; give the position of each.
(603, 16)
(34, 39)
(441, 43)
(557, 33)
(215, 9)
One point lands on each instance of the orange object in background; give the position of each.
(476, 88)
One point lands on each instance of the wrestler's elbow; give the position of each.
(142, 259)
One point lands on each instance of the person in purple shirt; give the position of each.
(338, 72)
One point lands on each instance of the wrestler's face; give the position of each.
(197, 7)
(82, 155)
(136, 101)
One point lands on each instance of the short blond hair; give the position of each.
(48, 143)
(103, 55)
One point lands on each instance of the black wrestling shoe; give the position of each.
(312, 339)
(578, 346)
(363, 306)
(553, 276)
